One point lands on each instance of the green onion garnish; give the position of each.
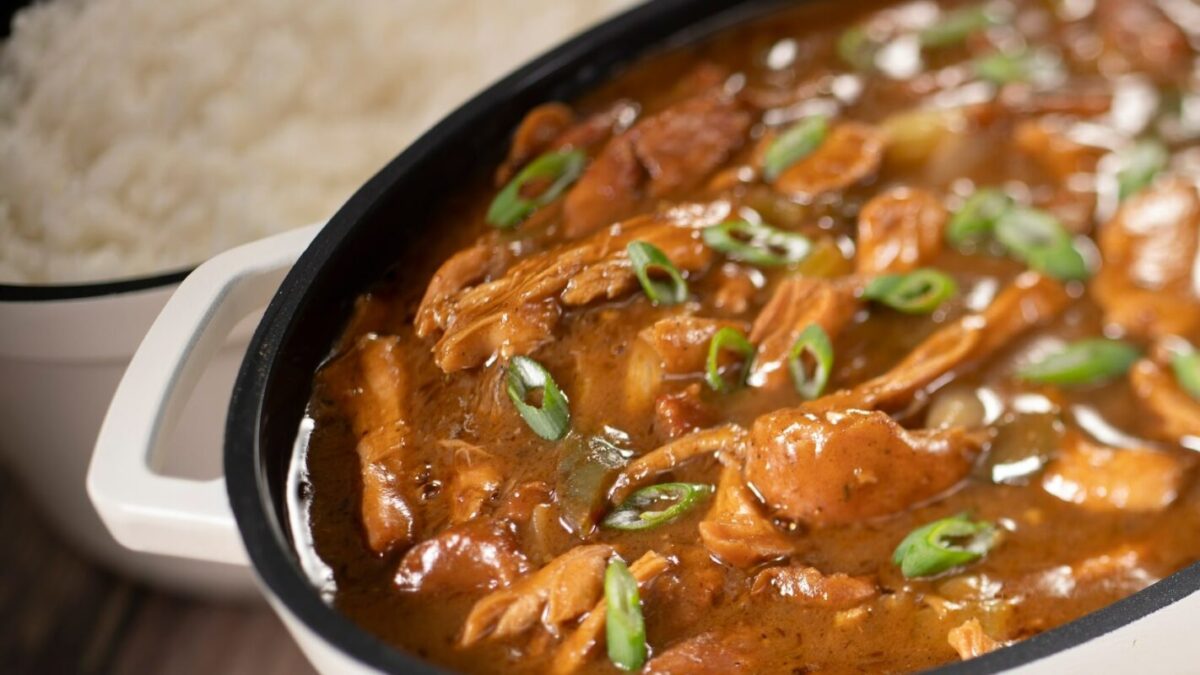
(795, 144)
(978, 215)
(957, 26)
(918, 292)
(647, 258)
(511, 207)
(1038, 239)
(1187, 371)
(624, 628)
(814, 342)
(942, 545)
(1139, 165)
(1004, 68)
(656, 505)
(756, 243)
(1083, 362)
(731, 339)
(552, 418)
(857, 49)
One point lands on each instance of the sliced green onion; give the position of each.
(552, 418)
(814, 342)
(733, 340)
(647, 258)
(656, 505)
(756, 243)
(1083, 362)
(1139, 165)
(1038, 239)
(794, 145)
(624, 628)
(857, 49)
(944, 544)
(918, 292)
(1187, 371)
(978, 215)
(1004, 68)
(957, 26)
(511, 207)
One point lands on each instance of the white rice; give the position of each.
(139, 136)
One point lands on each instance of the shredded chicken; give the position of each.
(474, 482)
(1047, 141)
(465, 268)
(1151, 246)
(561, 591)
(1145, 36)
(1101, 478)
(970, 641)
(705, 654)
(581, 644)
(808, 587)
(663, 459)
(517, 313)
(681, 413)
(797, 303)
(1158, 392)
(552, 126)
(735, 529)
(850, 153)
(681, 342)
(837, 467)
(899, 230)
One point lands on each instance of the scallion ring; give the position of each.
(944, 544)
(1186, 366)
(955, 27)
(978, 215)
(648, 258)
(511, 207)
(624, 627)
(1004, 68)
(552, 418)
(756, 243)
(918, 292)
(1040, 240)
(794, 145)
(656, 505)
(814, 343)
(1139, 165)
(857, 49)
(1084, 362)
(733, 340)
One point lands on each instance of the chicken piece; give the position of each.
(465, 268)
(1148, 284)
(372, 386)
(660, 156)
(836, 467)
(639, 471)
(970, 641)
(808, 587)
(737, 288)
(705, 654)
(681, 342)
(1141, 32)
(1046, 142)
(693, 587)
(797, 303)
(517, 313)
(851, 153)
(899, 230)
(1031, 299)
(1100, 478)
(478, 556)
(553, 126)
(1160, 394)
(579, 645)
(681, 413)
(561, 591)
(474, 480)
(735, 528)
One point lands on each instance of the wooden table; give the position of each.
(59, 613)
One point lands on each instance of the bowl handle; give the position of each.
(145, 510)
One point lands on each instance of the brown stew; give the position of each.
(857, 338)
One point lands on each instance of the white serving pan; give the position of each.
(246, 519)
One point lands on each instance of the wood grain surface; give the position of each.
(60, 613)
